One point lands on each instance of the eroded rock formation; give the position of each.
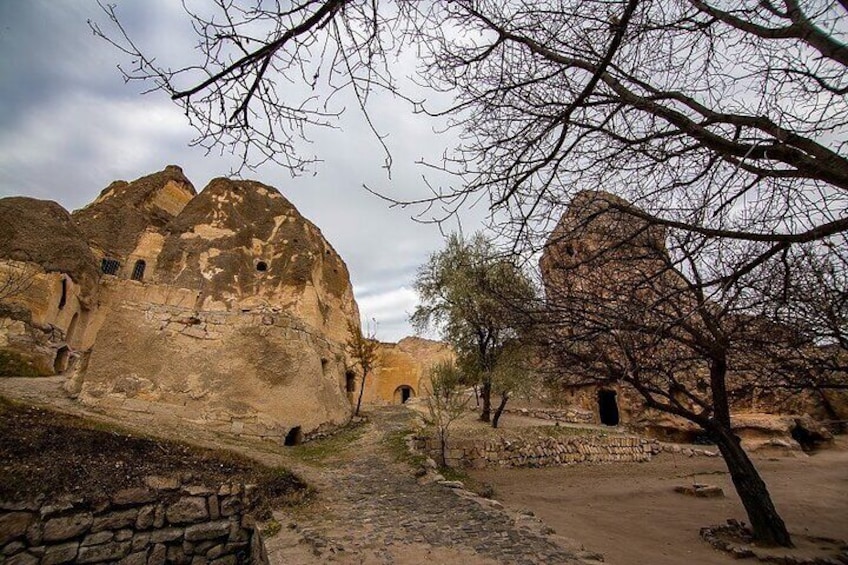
(226, 307)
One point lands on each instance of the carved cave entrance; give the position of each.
(63, 356)
(403, 393)
(608, 407)
(294, 437)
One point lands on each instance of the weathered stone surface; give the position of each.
(115, 520)
(162, 483)
(187, 510)
(208, 530)
(133, 496)
(157, 555)
(58, 529)
(137, 558)
(700, 491)
(166, 535)
(22, 559)
(63, 553)
(106, 552)
(14, 525)
(146, 515)
(98, 538)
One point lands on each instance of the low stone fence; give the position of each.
(570, 415)
(164, 522)
(541, 451)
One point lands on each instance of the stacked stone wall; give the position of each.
(165, 522)
(570, 415)
(542, 451)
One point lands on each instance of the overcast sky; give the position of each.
(70, 125)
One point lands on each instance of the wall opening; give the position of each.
(294, 437)
(72, 327)
(403, 393)
(138, 270)
(63, 355)
(350, 382)
(261, 266)
(608, 407)
(110, 266)
(64, 298)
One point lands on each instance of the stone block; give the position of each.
(146, 516)
(159, 516)
(137, 558)
(208, 530)
(133, 496)
(22, 559)
(157, 555)
(175, 555)
(162, 483)
(140, 541)
(231, 505)
(124, 535)
(13, 548)
(14, 525)
(226, 560)
(115, 520)
(66, 527)
(198, 490)
(214, 510)
(187, 510)
(63, 553)
(166, 535)
(111, 552)
(98, 538)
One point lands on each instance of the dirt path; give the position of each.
(369, 508)
(630, 513)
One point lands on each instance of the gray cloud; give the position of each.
(70, 126)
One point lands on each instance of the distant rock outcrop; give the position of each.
(402, 370)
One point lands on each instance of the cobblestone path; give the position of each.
(371, 509)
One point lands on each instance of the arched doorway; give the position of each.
(403, 393)
(63, 356)
(608, 407)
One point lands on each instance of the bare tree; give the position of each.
(363, 350)
(620, 308)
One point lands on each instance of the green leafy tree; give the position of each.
(363, 350)
(446, 401)
(474, 298)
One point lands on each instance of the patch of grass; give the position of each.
(272, 528)
(395, 442)
(320, 451)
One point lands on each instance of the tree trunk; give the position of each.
(486, 395)
(766, 523)
(500, 409)
(361, 390)
(443, 446)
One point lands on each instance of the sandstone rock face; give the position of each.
(601, 257)
(403, 366)
(227, 307)
(48, 277)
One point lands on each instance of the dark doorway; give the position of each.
(138, 270)
(403, 393)
(350, 382)
(60, 365)
(294, 437)
(608, 407)
(64, 298)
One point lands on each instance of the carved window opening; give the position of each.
(110, 266)
(608, 407)
(294, 437)
(261, 266)
(350, 382)
(138, 270)
(64, 298)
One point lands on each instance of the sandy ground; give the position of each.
(630, 513)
